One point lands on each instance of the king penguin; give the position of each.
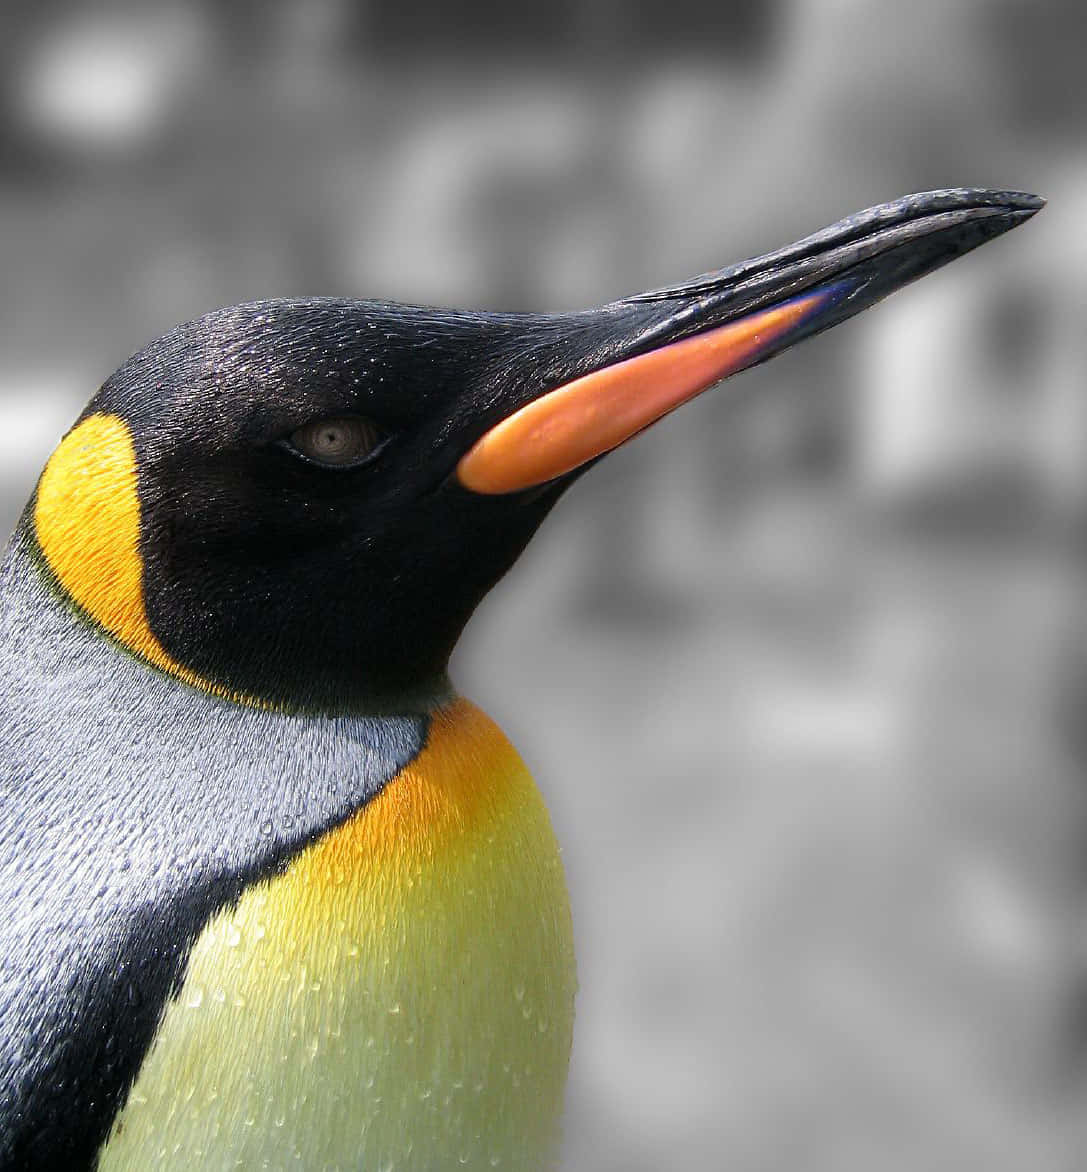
(273, 894)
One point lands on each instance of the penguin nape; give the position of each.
(274, 894)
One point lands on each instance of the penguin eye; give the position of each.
(336, 443)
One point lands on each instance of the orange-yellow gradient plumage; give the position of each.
(417, 960)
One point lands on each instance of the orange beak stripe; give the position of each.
(565, 428)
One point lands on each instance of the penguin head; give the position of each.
(300, 502)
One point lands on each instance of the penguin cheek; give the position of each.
(87, 521)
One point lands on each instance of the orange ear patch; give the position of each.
(87, 521)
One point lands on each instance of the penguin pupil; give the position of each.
(336, 441)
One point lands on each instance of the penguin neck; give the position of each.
(34, 597)
(43, 624)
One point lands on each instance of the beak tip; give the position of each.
(1024, 202)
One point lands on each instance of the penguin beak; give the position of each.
(667, 346)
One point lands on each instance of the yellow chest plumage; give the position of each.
(401, 997)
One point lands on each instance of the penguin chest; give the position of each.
(400, 997)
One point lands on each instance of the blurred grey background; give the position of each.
(800, 671)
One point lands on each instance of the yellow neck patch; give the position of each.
(401, 996)
(87, 521)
